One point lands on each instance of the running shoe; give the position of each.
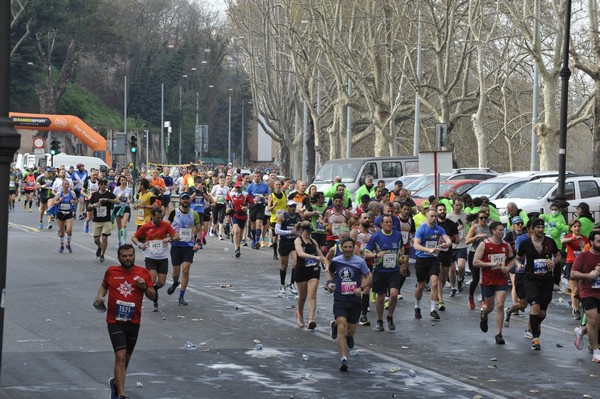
(203, 240)
(275, 257)
(113, 388)
(596, 357)
(281, 290)
(483, 323)
(535, 344)
(244, 243)
(293, 289)
(299, 319)
(81, 217)
(101, 258)
(528, 334)
(257, 245)
(386, 303)
(238, 253)
(441, 306)
(507, 317)
(400, 296)
(460, 284)
(379, 326)
(453, 292)
(363, 321)
(418, 313)
(434, 315)
(344, 365)
(173, 287)
(61, 249)
(578, 331)
(350, 341)
(263, 244)
(220, 238)
(69, 250)
(333, 329)
(312, 325)
(390, 323)
(86, 227)
(427, 287)
(49, 227)
(372, 297)
(41, 226)
(253, 244)
(182, 301)
(576, 314)
(98, 252)
(155, 306)
(471, 302)
(500, 340)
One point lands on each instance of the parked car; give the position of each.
(462, 174)
(406, 179)
(461, 186)
(536, 196)
(502, 186)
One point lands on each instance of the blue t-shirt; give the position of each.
(261, 188)
(168, 182)
(390, 244)
(395, 223)
(430, 238)
(347, 276)
(198, 202)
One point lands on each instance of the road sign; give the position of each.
(38, 151)
(39, 142)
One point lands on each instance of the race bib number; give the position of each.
(335, 229)
(596, 283)
(404, 237)
(348, 287)
(11, 184)
(185, 235)
(124, 310)
(389, 261)
(220, 199)
(101, 212)
(497, 258)
(139, 214)
(540, 266)
(310, 262)
(431, 244)
(156, 247)
(279, 212)
(65, 207)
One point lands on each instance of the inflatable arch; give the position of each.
(62, 123)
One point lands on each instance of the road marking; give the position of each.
(24, 228)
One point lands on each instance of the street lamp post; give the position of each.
(242, 163)
(565, 74)
(229, 131)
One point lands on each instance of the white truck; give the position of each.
(29, 160)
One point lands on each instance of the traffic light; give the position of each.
(133, 144)
(54, 147)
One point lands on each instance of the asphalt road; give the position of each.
(55, 345)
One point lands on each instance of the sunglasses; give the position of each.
(102, 184)
(519, 223)
(482, 218)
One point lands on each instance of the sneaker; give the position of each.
(379, 326)
(471, 302)
(244, 243)
(418, 313)
(173, 287)
(101, 258)
(460, 284)
(61, 249)
(441, 306)
(400, 296)
(256, 245)
(350, 341)
(81, 217)
(203, 240)
(390, 323)
(500, 340)
(386, 304)
(275, 257)
(427, 287)
(507, 317)
(363, 321)
(344, 365)
(113, 388)
(238, 253)
(182, 301)
(528, 334)
(535, 344)
(86, 227)
(483, 323)
(69, 250)
(576, 314)
(220, 238)
(372, 297)
(333, 329)
(41, 226)
(98, 252)
(281, 290)
(252, 244)
(433, 315)
(453, 292)
(49, 227)
(293, 289)
(596, 357)
(312, 325)
(483, 305)
(578, 331)
(155, 307)
(263, 244)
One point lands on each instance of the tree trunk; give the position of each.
(381, 143)
(548, 131)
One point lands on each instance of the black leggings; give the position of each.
(474, 274)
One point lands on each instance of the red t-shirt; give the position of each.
(585, 263)
(237, 202)
(124, 296)
(575, 247)
(494, 253)
(150, 231)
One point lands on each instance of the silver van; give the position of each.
(353, 171)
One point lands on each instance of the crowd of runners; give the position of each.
(358, 247)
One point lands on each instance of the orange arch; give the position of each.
(62, 123)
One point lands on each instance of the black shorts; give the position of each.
(181, 254)
(64, 216)
(304, 273)
(12, 192)
(539, 292)
(382, 281)
(445, 258)
(590, 303)
(426, 267)
(165, 200)
(123, 336)
(77, 193)
(489, 291)
(218, 213)
(257, 212)
(206, 215)
(160, 265)
(348, 309)
(285, 247)
(43, 200)
(520, 286)
(266, 219)
(240, 222)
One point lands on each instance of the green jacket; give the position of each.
(522, 215)
(494, 216)
(555, 226)
(362, 190)
(586, 226)
(331, 192)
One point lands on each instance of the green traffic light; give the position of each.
(52, 152)
(133, 149)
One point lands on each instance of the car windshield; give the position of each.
(405, 181)
(347, 170)
(422, 181)
(533, 190)
(485, 189)
(428, 191)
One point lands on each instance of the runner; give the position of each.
(200, 201)
(459, 249)
(145, 203)
(122, 209)
(29, 188)
(45, 184)
(237, 207)
(13, 188)
(219, 194)
(445, 254)
(308, 272)
(284, 228)
(349, 278)
(259, 191)
(494, 257)
(361, 236)
(169, 183)
(100, 204)
(126, 286)
(574, 242)
(188, 226)
(65, 203)
(277, 206)
(90, 186)
(478, 232)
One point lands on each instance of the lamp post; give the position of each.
(565, 74)
(229, 131)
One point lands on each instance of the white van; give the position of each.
(353, 171)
